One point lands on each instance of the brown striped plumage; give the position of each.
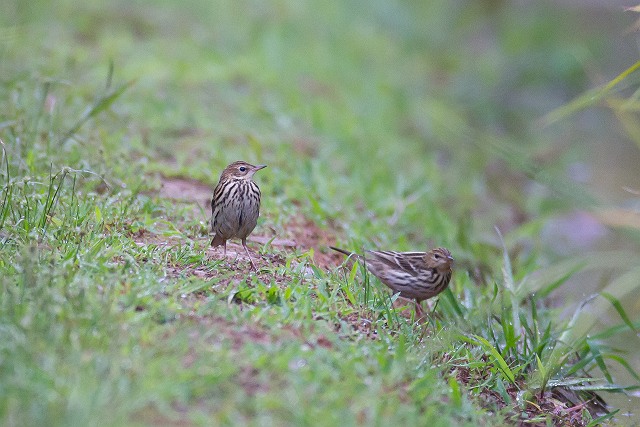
(235, 206)
(415, 275)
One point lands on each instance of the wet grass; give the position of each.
(377, 134)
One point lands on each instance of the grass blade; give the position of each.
(621, 312)
(99, 106)
(500, 363)
(586, 100)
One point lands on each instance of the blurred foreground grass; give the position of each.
(385, 124)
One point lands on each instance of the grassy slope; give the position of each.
(373, 127)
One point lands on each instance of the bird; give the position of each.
(414, 275)
(235, 205)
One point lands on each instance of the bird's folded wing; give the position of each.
(408, 262)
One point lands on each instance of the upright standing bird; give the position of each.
(415, 275)
(236, 205)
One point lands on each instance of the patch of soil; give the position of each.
(360, 324)
(563, 406)
(186, 189)
(308, 235)
(144, 237)
(238, 335)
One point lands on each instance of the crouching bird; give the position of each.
(414, 275)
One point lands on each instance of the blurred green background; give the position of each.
(399, 121)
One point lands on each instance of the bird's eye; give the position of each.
(242, 169)
(436, 256)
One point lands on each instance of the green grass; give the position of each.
(376, 131)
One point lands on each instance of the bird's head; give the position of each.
(440, 259)
(240, 170)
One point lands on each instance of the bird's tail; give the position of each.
(217, 240)
(342, 251)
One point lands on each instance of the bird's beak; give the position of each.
(257, 168)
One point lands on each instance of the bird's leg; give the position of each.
(244, 244)
(433, 312)
(407, 305)
(224, 245)
(419, 311)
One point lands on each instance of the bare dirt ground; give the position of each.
(189, 190)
